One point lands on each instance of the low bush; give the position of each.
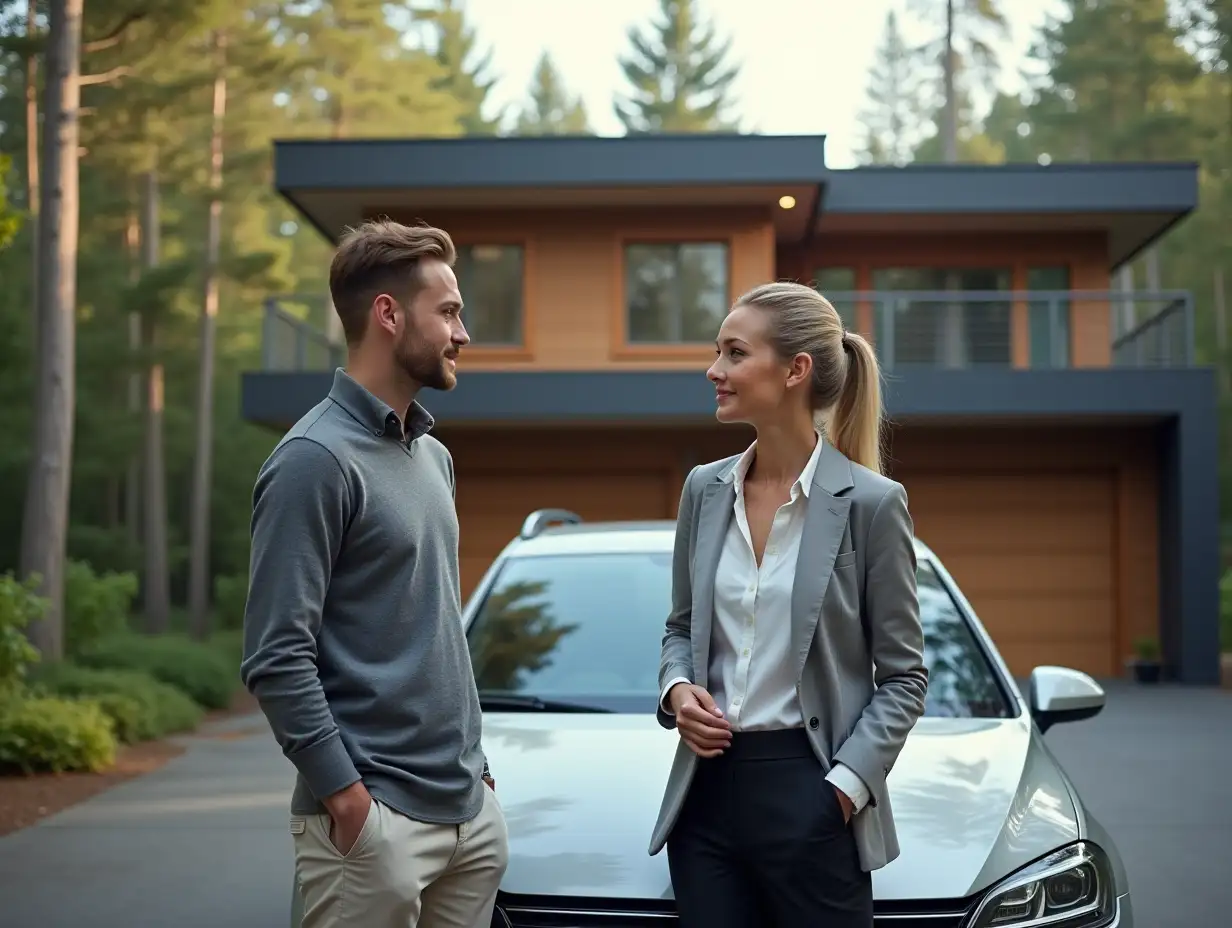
(230, 598)
(19, 606)
(47, 734)
(96, 605)
(230, 644)
(140, 707)
(194, 668)
(1225, 611)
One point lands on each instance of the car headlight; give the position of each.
(1070, 888)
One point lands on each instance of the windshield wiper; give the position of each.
(516, 702)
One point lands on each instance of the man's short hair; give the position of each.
(381, 256)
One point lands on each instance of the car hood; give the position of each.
(973, 800)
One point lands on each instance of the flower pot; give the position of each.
(1147, 671)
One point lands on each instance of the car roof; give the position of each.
(614, 538)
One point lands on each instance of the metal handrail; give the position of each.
(1165, 338)
(1151, 342)
(281, 329)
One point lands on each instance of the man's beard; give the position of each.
(425, 368)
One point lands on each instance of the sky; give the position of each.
(804, 63)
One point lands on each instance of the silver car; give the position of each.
(564, 631)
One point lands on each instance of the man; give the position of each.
(353, 639)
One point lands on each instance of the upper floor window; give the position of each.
(490, 278)
(675, 292)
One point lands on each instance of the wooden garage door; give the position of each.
(491, 508)
(1034, 553)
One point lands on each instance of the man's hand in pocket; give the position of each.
(348, 810)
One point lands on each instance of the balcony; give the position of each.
(1038, 330)
(912, 330)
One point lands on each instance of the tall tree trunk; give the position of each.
(1221, 333)
(199, 542)
(157, 568)
(45, 520)
(949, 116)
(132, 479)
(953, 321)
(32, 159)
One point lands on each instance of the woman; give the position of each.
(792, 665)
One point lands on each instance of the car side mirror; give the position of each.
(1059, 694)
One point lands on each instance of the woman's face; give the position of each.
(752, 383)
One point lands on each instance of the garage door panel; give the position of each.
(1026, 573)
(1002, 530)
(1028, 655)
(1034, 555)
(1022, 618)
(1012, 491)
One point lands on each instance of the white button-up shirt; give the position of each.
(751, 675)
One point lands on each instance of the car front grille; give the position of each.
(527, 912)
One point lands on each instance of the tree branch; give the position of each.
(106, 77)
(115, 36)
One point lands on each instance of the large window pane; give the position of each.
(490, 278)
(1048, 319)
(929, 326)
(830, 281)
(675, 292)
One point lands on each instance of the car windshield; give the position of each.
(584, 631)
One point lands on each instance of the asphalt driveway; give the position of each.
(1154, 768)
(204, 842)
(200, 843)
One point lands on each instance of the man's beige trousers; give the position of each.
(402, 873)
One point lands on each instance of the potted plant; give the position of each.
(1147, 665)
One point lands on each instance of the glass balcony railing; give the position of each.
(1039, 329)
(293, 336)
(1022, 329)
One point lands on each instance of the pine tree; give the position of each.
(973, 145)
(550, 109)
(891, 118)
(680, 81)
(1117, 81)
(961, 56)
(356, 75)
(468, 84)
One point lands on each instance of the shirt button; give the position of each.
(745, 652)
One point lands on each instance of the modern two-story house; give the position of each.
(1056, 439)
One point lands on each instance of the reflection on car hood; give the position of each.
(973, 800)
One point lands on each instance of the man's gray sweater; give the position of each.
(353, 638)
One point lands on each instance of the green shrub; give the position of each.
(230, 644)
(19, 606)
(45, 734)
(1225, 611)
(194, 668)
(96, 605)
(230, 598)
(140, 706)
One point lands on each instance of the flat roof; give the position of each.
(335, 183)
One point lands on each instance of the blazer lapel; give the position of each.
(825, 520)
(718, 500)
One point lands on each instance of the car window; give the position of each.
(961, 682)
(588, 628)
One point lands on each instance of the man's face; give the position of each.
(427, 346)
